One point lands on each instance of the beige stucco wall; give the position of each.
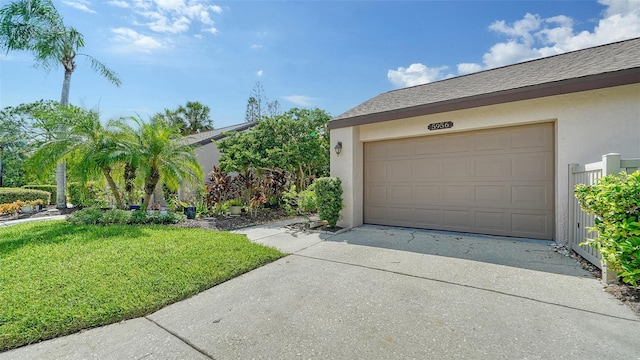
(208, 155)
(588, 124)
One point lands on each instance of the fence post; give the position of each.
(610, 165)
(571, 208)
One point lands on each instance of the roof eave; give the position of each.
(585, 83)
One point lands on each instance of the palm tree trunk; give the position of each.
(114, 188)
(61, 168)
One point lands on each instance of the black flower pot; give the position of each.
(134, 207)
(190, 211)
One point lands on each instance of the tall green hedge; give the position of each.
(9, 195)
(615, 200)
(329, 199)
(48, 188)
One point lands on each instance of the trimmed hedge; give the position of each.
(329, 199)
(9, 195)
(51, 189)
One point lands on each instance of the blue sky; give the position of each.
(327, 54)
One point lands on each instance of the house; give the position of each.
(488, 152)
(207, 151)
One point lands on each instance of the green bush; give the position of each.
(329, 199)
(9, 195)
(95, 216)
(51, 189)
(307, 200)
(82, 195)
(615, 200)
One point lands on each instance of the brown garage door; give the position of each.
(497, 181)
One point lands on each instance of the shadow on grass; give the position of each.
(57, 232)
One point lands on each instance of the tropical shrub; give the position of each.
(615, 200)
(329, 199)
(83, 195)
(9, 209)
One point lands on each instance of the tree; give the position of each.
(162, 155)
(93, 147)
(259, 106)
(296, 142)
(37, 27)
(23, 128)
(190, 119)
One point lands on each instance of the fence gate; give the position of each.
(579, 220)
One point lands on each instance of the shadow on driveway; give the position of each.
(539, 255)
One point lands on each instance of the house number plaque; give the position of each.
(440, 125)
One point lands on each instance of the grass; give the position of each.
(57, 278)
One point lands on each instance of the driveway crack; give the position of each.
(186, 341)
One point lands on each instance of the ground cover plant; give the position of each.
(58, 278)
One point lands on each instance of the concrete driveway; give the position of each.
(450, 296)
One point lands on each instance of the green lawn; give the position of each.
(57, 278)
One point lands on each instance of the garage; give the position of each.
(494, 181)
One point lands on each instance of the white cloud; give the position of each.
(82, 5)
(259, 72)
(534, 37)
(415, 74)
(256, 46)
(119, 3)
(129, 40)
(468, 68)
(172, 16)
(300, 100)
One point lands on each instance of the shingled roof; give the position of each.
(207, 137)
(592, 68)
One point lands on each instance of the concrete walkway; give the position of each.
(451, 296)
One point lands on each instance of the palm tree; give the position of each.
(37, 27)
(94, 147)
(162, 155)
(196, 117)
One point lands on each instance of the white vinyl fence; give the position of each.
(579, 221)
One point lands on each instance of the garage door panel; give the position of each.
(458, 144)
(538, 166)
(492, 167)
(376, 170)
(532, 196)
(398, 170)
(427, 194)
(457, 219)
(426, 168)
(458, 194)
(463, 167)
(530, 224)
(400, 214)
(400, 194)
(428, 217)
(496, 181)
(376, 151)
(491, 221)
(425, 146)
(399, 148)
(492, 195)
(491, 140)
(532, 137)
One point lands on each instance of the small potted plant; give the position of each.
(38, 204)
(235, 206)
(25, 206)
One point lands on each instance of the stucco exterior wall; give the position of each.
(587, 125)
(208, 155)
